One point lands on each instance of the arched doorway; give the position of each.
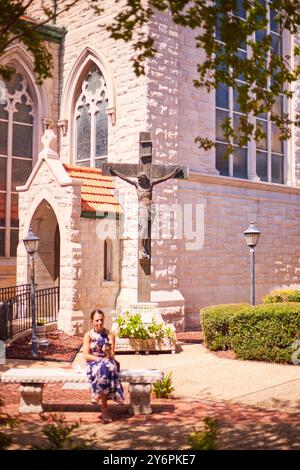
(47, 260)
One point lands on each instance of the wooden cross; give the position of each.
(144, 176)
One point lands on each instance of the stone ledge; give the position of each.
(32, 383)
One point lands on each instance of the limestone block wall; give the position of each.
(66, 204)
(177, 111)
(218, 272)
(93, 290)
(295, 110)
(129, 94)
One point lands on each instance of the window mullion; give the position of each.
(8, 181)
(269, 127)
(93, 135)
(230, 162)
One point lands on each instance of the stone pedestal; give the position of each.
(140, 399)
(148, 311)
(31, 398)
(41, 333)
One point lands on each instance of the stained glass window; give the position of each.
(16, 131)
(91, 120)
(84, 133)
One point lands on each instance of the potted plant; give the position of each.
(41, 331)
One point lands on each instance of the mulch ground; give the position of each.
(62, 347)
(192, 337)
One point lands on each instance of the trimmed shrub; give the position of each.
(282, 295)
(215, 324)
(266, 332)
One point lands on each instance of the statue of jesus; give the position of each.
(144, 187)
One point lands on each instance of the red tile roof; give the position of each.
(97, 191)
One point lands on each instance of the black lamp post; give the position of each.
(31, 242)
(252, 235)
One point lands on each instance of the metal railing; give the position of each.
(16, 312)
(12, 291)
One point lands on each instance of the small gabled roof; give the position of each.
(97, 191)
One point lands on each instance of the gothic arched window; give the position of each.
(91, 120)
(16, 137)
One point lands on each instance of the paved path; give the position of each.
(200, 374)
(256, 403)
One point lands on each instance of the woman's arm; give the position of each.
(112, 340)
(87, 349)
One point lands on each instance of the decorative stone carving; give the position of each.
(48, 141)
(63, 124)
(31, 398)
(111, 112)
(47, 124)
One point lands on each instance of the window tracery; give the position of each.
(16, 142)
(91, 121)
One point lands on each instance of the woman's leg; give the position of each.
(105, 415)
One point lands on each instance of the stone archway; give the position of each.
(47, 260)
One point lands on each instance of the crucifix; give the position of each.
(144, 176)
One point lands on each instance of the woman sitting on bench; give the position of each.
(102, 368)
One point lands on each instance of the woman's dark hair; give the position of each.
(96, 311)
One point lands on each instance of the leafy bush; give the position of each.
(266, 332)
(131, 326)
(163, 388)
(215, 325)
(204, 439)
(6, 421)
(59, 434)
(282, 295)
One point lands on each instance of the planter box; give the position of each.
(144, 345)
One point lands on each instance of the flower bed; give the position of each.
(132, 334)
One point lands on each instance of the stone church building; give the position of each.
(54, 138)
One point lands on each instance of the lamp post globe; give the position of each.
(31, 243)
(252, 236)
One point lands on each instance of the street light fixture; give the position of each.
(31, 242)
(252, 235)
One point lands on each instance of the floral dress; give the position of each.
(103, 375)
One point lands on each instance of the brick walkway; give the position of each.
(241, 427)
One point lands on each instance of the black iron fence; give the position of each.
(12, 291)
(16, 312)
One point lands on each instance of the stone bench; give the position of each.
(32, 381)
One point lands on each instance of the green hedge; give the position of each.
(266, 332)
(282, 295)
(215, 324)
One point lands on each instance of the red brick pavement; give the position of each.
(241, 427)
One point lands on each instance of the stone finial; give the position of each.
(48, 141)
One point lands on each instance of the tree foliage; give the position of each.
(220, 28)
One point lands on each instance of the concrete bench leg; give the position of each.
(31, 397)
(140, 399)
